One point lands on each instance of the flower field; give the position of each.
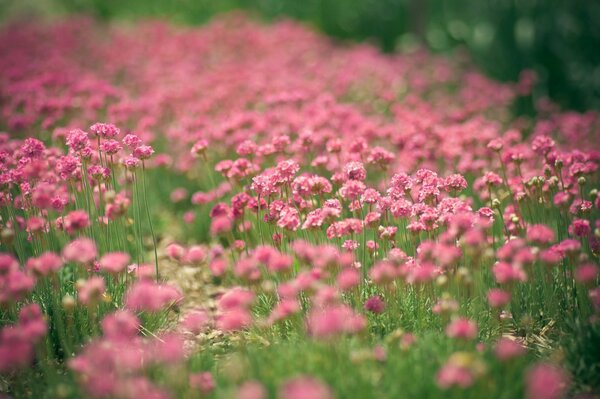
(248, 211)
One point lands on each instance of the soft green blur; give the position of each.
(559, 39)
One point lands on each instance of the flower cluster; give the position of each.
(332, 197)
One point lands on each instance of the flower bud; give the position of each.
(68, 303)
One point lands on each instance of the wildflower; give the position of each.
(350, 245)
(77, 140)
(121, 324)
(90, 291)
(236, 297)
(540, 234)
(46, 264)
(333, 320)
(199, 147)
(355, 171)
(460, 370)
(587, 273)
(455, 183)
(131, 162)
(284, 309)
(149, 296)
(495, 145)
(114, 262)
(234, 319)
(110, 147)
(132, 141)
(445, 305)
(175, 252)
(204, 382)
(383, 272)
(375, 304)
(105, 130)
(80, 250)
(348, 278)
(196, 321)
(506, 349)
(546, 381)
(498, 298)
(580, 228)
(462, 328)
(506, 273)
(143, 152)
(195, 254)
(251, 390)
(221, 225)
(352, 189)
(492, 179)
(305, 387)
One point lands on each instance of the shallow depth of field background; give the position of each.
(558, 39)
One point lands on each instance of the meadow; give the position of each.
(254, 211)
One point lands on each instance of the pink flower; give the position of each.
(175, 252)
(580, 228)
(540, 234)
(334, 320)
(218, 267)
(587, 273)
(455, 183)
(375, 304)
(199, 147)
(507, 273)
(104, 130)
(77, 140)
(195, 254)
(234, 319)
(81, 250)
(204, 382)
(289, 219)
(594, 295)
(284, 309)
(121, 324)
(221, 225)
(492, 179)
(91, 290)
(111, 147)
(305, 387)
(75, 221)
(235, 298)
(383, 272)
(546, 381)
(132, 141)
(150, 296)
(506, 349)
(32, 323)
(355, 171)
(495, 144)
(16, 351)
(498, 298)
(348, 278)
(114, 262)
(454, 375)
(131, 162)
(251, 390)
(143, 152)
(196, 321)
(462, 328)
(45, 264)
(14, 284)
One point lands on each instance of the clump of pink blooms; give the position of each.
(338, 189)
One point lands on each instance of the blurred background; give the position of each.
(559, 39)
